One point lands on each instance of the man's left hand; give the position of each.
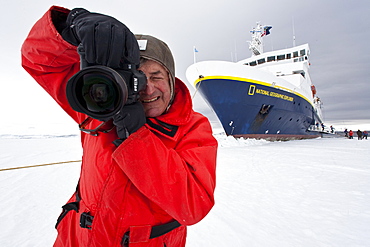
(129, 120)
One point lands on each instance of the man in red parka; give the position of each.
(143, 182)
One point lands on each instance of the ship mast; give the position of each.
(256, 45)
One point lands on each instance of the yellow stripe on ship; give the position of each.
(232, 78)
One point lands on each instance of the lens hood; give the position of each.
(97, 91)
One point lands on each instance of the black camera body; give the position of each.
(100, 91)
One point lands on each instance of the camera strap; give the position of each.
(103, 127)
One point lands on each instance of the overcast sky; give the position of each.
(337, 32)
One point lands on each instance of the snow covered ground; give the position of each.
(297, 193)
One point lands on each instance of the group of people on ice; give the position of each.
(360, 134)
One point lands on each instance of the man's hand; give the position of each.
(106, 40)
(128, 121)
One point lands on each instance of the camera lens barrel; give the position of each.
(98, 91)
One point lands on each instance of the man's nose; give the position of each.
(149, 89)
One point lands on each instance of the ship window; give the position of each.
(280, 57)
(254, 63)
(260, 61)
(272, 58)
(303, 52)
(295, 54)
(289, 56)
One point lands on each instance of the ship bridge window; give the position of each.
(295, 54)
(254, 63)
(280, 57)
(272, 58)
(289, 56)
(261, 61)
(303, 52)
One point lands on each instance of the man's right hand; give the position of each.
(106, 40)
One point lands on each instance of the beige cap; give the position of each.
(154, 49)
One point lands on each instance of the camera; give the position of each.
(100, 91)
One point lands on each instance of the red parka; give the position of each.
(163, 172)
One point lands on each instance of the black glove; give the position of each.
(106, 40)
(128, 121)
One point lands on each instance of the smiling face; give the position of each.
(157, 94)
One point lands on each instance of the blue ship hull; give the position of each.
(259, 110)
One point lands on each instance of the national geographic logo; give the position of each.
(254, 90)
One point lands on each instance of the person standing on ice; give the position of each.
(350, 133)
(365, 134)
(143, 182)
(359, 135)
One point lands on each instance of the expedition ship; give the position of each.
(269, 95)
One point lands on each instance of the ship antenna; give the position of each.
(236, 55)
(256, 45)
(293, 32)
(194, 53)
